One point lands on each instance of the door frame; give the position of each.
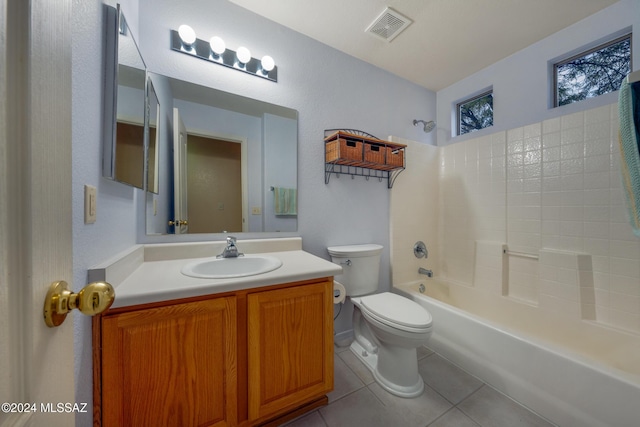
(244, 168)
(180, 193)
(36, 210)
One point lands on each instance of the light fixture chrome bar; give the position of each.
(202, 49)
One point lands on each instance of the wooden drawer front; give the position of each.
(290, 334)
(173, 365)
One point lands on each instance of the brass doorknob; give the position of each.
(178, 222)
(93, 299)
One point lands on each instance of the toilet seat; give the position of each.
(397, 312)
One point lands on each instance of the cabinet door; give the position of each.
(290, 334)
(171, 366)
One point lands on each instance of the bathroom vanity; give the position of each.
(254, 350)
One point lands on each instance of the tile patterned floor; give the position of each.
(452, 398)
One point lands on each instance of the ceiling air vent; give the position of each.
(388, 25)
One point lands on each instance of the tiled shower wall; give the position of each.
(550, 186)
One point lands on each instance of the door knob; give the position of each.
(178, 222)
(93, 299)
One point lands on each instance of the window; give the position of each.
(475, 113)
(592, 73)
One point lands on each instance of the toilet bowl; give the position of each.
(388, 328)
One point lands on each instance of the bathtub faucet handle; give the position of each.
(420, 250)
(426, 272)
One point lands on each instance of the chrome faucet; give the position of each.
(428, 273)
(231, 251)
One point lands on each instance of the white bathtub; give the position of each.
(574, 373)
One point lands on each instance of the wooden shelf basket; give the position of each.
(351, 149)
(356, 153)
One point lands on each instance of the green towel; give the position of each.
(285, 201)
(630, 151)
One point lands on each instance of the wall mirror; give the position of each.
(153, 155)
(125, 100)
(232, 162)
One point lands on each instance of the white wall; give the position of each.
(277, 161)
(520, 82)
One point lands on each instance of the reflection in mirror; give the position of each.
(123, 154)
(153, 156)
(233, 162)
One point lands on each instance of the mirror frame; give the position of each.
(151, 182)
(112, 26)
(114, 22)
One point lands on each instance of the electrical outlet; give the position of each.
(256, 210)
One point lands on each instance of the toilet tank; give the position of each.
(360, 267)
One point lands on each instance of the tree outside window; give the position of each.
(475, 113)
(593, 73)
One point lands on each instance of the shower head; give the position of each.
(428, 126)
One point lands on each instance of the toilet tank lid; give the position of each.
(355, 250)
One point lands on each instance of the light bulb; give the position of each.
(217, 45)
(187, 35)
(243, 54)
(267, 63)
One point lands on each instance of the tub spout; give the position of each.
(426, 272)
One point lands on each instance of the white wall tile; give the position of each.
(569, 121)
(551, 186)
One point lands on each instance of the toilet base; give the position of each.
(371, 362)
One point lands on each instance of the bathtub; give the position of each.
(573, 373)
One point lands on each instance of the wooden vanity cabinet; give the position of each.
(290, 334)
(251, 357)
(171, 366)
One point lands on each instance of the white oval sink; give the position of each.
(226, 268)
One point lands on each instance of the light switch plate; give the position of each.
(256, 210)
(90, 208)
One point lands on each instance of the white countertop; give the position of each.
(151, 273)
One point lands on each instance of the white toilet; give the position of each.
(387, 327)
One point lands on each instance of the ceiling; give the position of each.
(448, 39)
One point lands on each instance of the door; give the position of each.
(180, 174)
(290, 335)
(171, 366)
(36, 362)
(215, 185)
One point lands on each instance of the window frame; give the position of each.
(482, 94)
(584, 52)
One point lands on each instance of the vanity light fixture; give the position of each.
(267, 63)
(217, 46)
(244, 56)
(187, 36)
(185, 41)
